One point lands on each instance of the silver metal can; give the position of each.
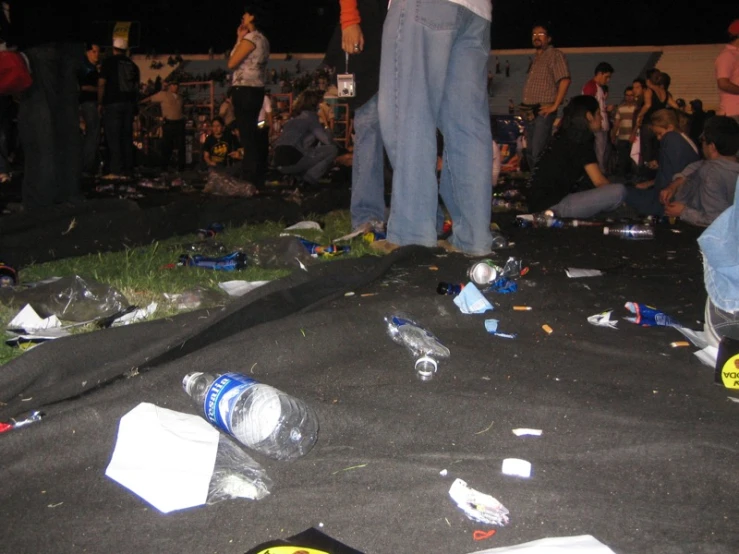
(483, 272)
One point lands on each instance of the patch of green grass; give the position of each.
(144, 274)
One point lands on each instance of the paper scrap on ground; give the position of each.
(136, 315)
(165, 457)
(701, 339)
(477, 506)
(471, 300)
(582, 544)
(575, 273)
(603, 319)
(707, 356)
(516, 467)
(28, 320)
(240, 288)
(309, 225)
(521, 431)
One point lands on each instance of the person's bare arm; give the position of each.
(645, 107)
(725, 84)
(243, 49)
(596, 176)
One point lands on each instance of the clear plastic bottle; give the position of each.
(632, 232)
(257, 415)
(422, 344)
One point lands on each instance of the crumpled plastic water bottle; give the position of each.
(424, 346)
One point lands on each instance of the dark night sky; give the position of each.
(306, 25)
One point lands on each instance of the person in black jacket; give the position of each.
(49, 34)
(359, 34)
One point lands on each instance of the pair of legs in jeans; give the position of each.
(173, 138)
(48, 126)
(314, 164)
(118, 121)
(368, 182)
(91, 117)
(433, 74)
(591, 202)
(247, 103)
(538, 132)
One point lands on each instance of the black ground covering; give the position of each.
(639, 447)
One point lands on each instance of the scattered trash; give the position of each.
(194, 298)
(230, 262)
(72, 298)
(134, 315)
(502, 286)
(310, 541)
(221, 184)
(211, 231)
(603, 319)
(240, 288)
(648, 316)
(522, 308)
(257, 415)
(451, 289)
(315, 249)
(576, 273)
(523, 431)
(305, 225)
(422, 344)
(727, 363)
(516, 468)
(583, 544)
(14, 423)
(679, 344)
(471, 301)
(443, 473)
(499, 240)
(175, 461)
(547, 329)
(279, 253)
(484, 272)
(491, 326)
(631, 232)
(477, 506)
(478, 535)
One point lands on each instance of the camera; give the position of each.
(345, 84)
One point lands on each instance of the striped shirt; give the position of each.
(624, 121)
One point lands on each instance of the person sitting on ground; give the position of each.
(704, 189)
(567, 179)
(676, 151)
(220, 147)
(305, 148)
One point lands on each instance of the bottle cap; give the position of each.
(425, 368)
(189, 379)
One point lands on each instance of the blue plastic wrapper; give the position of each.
(315, 249)
(502, 286)
(649, 316)
(232, 262)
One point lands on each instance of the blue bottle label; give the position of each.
(221, 398)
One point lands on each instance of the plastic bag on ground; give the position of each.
(222, 184)
(236, 474)
(196, 297)
(285, 252)
(72, 298)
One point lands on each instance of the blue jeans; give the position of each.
(118, 120)
(314, 164)
(603, 150)
(588, 203)
(433, 74)
(538, 132)
(368, 182)
(719, 244)
(91, 117)
(49, 126)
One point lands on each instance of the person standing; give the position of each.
(89, 108)
(623, 126)
(544, 91)
(727, 74)
(118, 89)
(49, 34)
(173, 126)
(248, 61)
(446, 92)
(359, 36)
(596, 87)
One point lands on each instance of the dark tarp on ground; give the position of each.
(638, 446)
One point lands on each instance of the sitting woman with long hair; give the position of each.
(304, 148)
(567, 179)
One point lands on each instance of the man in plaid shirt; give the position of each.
(543, 92)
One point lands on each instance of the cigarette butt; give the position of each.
(547, 329)
(679, 343)
(366, 294)
(522, 308)
(433, 268)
